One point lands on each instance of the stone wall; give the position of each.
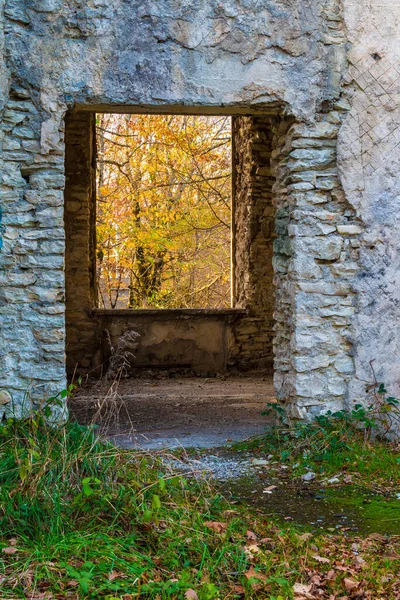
(181, 340)
(32, 297)
(315, 259)
(82, 339)
(318, 64)
(369, 164)
(253, 230)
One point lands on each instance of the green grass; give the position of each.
(329, 448)
(81, 519)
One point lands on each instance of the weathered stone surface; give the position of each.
(369, 163)
(316, 83)
(5, 397)
(253, 229)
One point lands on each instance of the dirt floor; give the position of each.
(166, 413)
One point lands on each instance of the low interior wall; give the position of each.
(198, 340)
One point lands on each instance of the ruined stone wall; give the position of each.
(180, 340)
(82, 331)
(285, 57)
(32, 290)
(315, 262)
(369, 163)
(253, 230)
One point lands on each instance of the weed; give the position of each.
(352, 442)
(81, 519)
(121, 354)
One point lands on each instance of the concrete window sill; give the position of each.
(171, 313)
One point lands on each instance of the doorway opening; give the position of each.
(170, 232)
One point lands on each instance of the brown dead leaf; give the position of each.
(392, 556)
(13, 542)
(351, 584)
(10, 550)
(303, 590)
(270, 488)
(72, 583)
(237, 589)
(191, 595)
(316, 580)
(216, 526)
(251, 536)
(321, 559)
(378, 538)
(360, 562)
(253, 573)
(115, 575)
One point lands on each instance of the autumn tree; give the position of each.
(163, 211)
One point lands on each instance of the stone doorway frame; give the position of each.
(245, 330)
(314, 298)
(316, 253)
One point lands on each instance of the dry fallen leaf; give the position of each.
(269, 489)
(253, 573)
(321, 559)
(72, 583)
(115, 575)
(11, 550)
(216, 526)
(13, 542)
(351, 584)
(191, 595)
(378, 538)
(360, 562)
(237, 589)
(251, 536)
(303, 589)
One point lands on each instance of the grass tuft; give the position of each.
(81, 519)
